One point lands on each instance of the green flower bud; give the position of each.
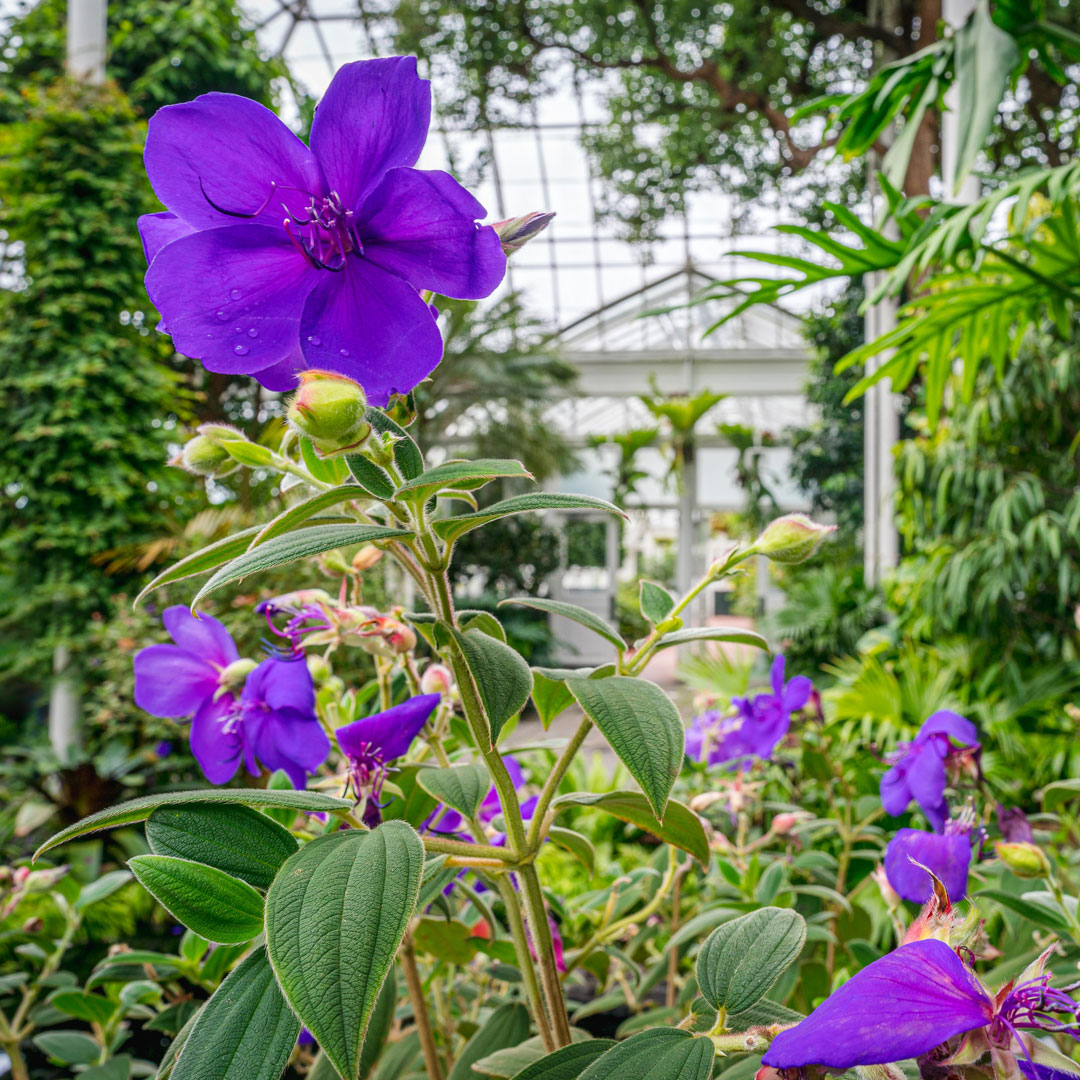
(319, 668)
(1023, 859)
(232, 677)
(203, 457)
(791, 539)
(515, 233)
(329, 409)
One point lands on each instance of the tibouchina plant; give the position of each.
(385, 822)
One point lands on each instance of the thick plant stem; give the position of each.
(551, 784)
(420, 1013)
(521, 947)
(545, 953)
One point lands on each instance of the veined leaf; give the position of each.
(93, 1008)
(453, 527)
(566, 1063)
(407, 454)
(581, 847)
(571, 611)
(140, 809)
(297, 514)
(507, 1026)
(370, 477)
(295, 546)
(462, 787)
(656, 601)
(335, 916)
(464, 475)
(244, 1032)
(712, 633)
(650, 1055)
(221, 551)
(218, 907)
(681, 827)
(502, 677)
(641, 725)
(235, 839)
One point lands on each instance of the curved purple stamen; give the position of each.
(1033, 1005)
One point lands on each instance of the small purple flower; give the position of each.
(919, 768)
(371, 744)
(275, 258)
(273, 722)
(715, 738)
(916, 999)
(947, 854)
(163, 749)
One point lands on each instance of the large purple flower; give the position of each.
(947, 854)
(914, 1000)
(272, 722)
(373, 742)
(274, 257)
(918, 768)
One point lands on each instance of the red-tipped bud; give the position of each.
(329, 409)
(436, 680)
(515, 233)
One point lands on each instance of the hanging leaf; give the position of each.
(298, 513)
(502, 677)
(335, 916)
(712, 633)
(656, 602)
(221, 551)
(571, 611)
(463, 787)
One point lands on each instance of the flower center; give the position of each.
(1036, 1005)
(325, 234)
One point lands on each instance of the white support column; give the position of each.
(86, 40)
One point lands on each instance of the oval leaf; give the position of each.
(370, 477)
(452, 528)
(712, 633)
(566, 1063)
(294, 546)
(245, 1031)
(641, 725)
(298, 513)
(740, 960)
(656, 1053)
(140, 809)
(198, 563)
(335, 916)
(656, 602)
(463, 787)
(507, 1026)
(465, 475)
(236, 839)
(576, 614)
(217, 907)
(407, 454)
(502, 677)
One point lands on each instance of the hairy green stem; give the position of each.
(419, 1009)
(536, 912)
(551, 785)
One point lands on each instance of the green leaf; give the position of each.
(985, 58)
(407, 454)
(641, 725)
(681, 827)
(571, 611)
(461, 475)
(221, 551)
(370, 477)
(579, 846)
(656, 602)
(292, 547)
(566, 1063)
(245, 1031)
(1057, 794)
(452, 528)
(300, 512)
(93, 1008)
(236, 839)
(445, 939)
(173, 1019)
(104, 886)
(550, 697)
(712, 633)
(502, 677)
(1035, 912)
(656, 1054)
(218, 907)
(507, 1026)
(740, 960)
(335, 916)
(462, 787)
(284, 816)
(116, 1068)
(140, 809)
(70, 1047)
(382, 1019)
(168, 1061)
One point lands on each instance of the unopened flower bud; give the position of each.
(329, 409)
(233, 676)
(515, 233)
(333, 562)
(366, 558)
(791, 539)
(436, 680)
(204, 457)
(319, 668)
(44, 880)
(1024, 860)
(783, 823)
(700, 803)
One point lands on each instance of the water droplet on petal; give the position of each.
(344, 352)
(238, 329)
(235, 294)
(252, 332)
(240, 350)
(222, 316)
(316, 341)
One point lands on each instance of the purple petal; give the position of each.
(898, 1007)
(216, 750)
(949, 857)
(373, 117)
(776, 676)
(946, 722)
(231, 151)
(925, 773)
(895, 793)
(422, 227)
(157, 230)
(282, 684)
(797, 693)
(372, 326)
(695, 737)
(491, 806)
(390, 732)
(215, 287)
(282, 377)
(293, 741)
(1035, 1071)
(203, 635)
(172, 682)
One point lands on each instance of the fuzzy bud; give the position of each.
(1024, 860)
(202, 456)
(791, 539)
(436, 680)
(319, 668)
(515, 233)
(329, 409)
(233, 676)
(366, 558)
(782, 824)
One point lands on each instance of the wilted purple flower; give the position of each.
(919, 768)
(275, 258)
(372, 743)
(1014, 825)
(947, 854)
(918, 998)
(273, 722)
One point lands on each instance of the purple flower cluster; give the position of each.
(274, 257)
(755, 729)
